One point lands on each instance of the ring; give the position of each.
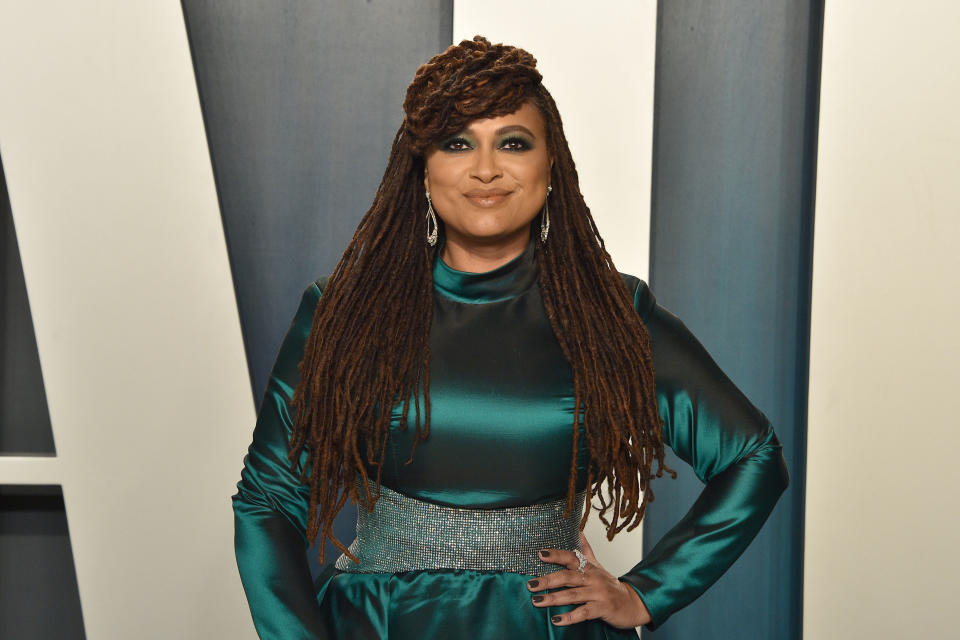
(582, 558)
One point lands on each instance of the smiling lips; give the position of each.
(487, 197)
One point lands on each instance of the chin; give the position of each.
(496, 228)
(487, 235)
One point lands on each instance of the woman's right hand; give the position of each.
(600, 594)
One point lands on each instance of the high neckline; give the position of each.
(506, 281)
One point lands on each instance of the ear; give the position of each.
(426, 179)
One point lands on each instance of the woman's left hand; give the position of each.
(597, 591)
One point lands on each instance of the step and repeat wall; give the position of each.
(172, 175)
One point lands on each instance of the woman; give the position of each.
(477, 302)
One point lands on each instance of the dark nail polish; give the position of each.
(555, 619)
(533, 583)
(544, 553)
(538, 598)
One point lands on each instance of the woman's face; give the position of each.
(489, 181)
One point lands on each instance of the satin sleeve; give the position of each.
(270, 506)
(733, 450)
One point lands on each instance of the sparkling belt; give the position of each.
(404, 533)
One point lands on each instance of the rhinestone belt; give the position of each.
(405, 533)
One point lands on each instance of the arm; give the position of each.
(732, 448)
(270, 507)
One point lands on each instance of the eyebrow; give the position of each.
(513, 128)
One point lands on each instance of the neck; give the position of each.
(474, 257)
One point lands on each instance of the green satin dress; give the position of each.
(502, 403)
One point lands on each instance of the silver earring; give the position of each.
(431, 221)
(545, 218)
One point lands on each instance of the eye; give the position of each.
(516, 143)
(458, 143)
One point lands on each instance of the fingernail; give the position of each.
(544, 553)
(538, 598)
(555, 619)
(533, 583)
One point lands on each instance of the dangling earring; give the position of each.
(431, 218)
(545, 217)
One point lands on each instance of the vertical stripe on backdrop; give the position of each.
(732, 216)
(301, 102)
(882, 517)
(598, 64)
(136, 324)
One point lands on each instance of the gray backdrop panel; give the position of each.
(734, 155)
(24, 418)
(301, 101)
(39, 599)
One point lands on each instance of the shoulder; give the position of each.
(308, 301)
(321, 283)
(315, 289)
(643, 299)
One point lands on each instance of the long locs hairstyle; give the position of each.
(368, 349)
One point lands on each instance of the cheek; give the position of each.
(536, 172)
(443, 172)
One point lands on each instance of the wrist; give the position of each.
(642, 614)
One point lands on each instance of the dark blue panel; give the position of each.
(40, 599)
(731, 233)
(24, 418)
(301, 101)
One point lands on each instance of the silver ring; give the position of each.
(582, 558)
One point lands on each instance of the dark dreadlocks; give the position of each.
(368, 348)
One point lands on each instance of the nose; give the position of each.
(485, 168)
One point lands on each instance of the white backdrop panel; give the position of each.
(133, 305)
(881, 516)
